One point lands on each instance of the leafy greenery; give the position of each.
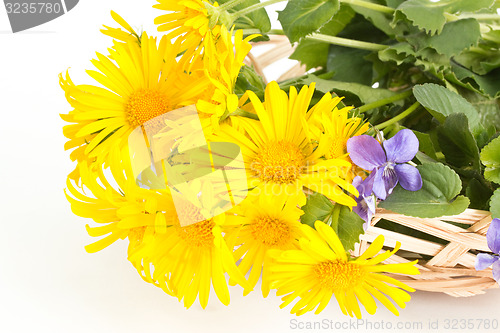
(438, 195)
(495, 204)
(303, 17)
(490, 157)
(442, 102)
(254, 20)
(347, 224)
(457, 142)
(385, 57)
(314, 53)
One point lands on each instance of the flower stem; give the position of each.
(255, 7)
(384, 101)
(230, 4)
(346, 42)
(243, 113)
(399, 117)
(369, 5)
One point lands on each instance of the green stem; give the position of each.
(481, 17)
(347, 42)
(255, 7)
(327, 39)
(369, 5)
(399, 117)
(257, 31)
(243, 113)
(384, 101)
(230, 4)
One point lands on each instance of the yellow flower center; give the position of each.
(337, 148)
(198, 234)
(136, 234)
(271, 231)
(339, 275)
(144, 105)
(279, 162)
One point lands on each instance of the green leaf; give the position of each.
(399, 53)
(317, 208)
(425, 144)
(429, 15)
(248, 79)
(457, 142)
(303, 17)
(346, 224)
(442, 102)
(311, 53)
(350, 226)
(488, 109)
(349, 65)
(425, 17)
(478, 194)
(481, 61)
(438, 195)
(487, 84)
(315, 54)
(490, 157)
(447, 43)
(380, 20)
(366, 94)
(495, 204)
(255, 20)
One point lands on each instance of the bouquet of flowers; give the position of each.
(381, 161)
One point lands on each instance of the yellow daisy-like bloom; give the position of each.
(321, 269)
(127, 35)
(125, 211)
(222, 62)
(188, 259)
(187, 18)
(263, 223)
(141, 82)
(336, 128)
(278, 150)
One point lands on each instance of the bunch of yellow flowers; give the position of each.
(132, 133)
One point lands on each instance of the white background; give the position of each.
(48, 283)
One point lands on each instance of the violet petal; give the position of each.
(365, 187)
(402, 147)
(390, 178)
(356, 181)
(484, 260)
(362, 210)
(378, 184)
(496, 271)
(493, 236)
(366, 152)
(409, 177)
(371, 204)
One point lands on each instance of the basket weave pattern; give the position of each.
(451, 269)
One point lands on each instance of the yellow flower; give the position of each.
(124, 211)
(187, 18)
(263, 223)
(129, 35)
(336, 128)
(321, 269)
(141, 82)
(278, 151)
(186, 260)
(222, 62)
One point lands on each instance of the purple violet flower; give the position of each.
(485, 260)
(388, 167)
(365, 207)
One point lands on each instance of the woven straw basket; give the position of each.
(451, 267)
